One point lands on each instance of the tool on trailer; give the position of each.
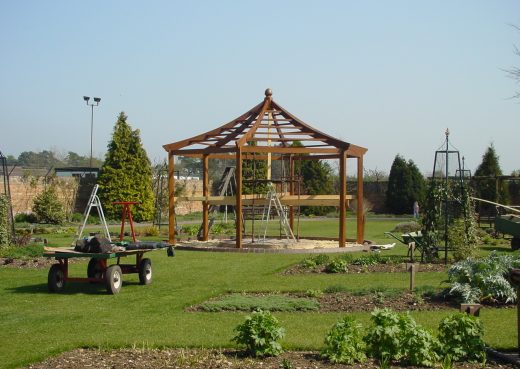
(93, 202)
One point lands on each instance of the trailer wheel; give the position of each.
(145, 271)
(56, 278)
(515, 243)
(94, 269)
(114, 279)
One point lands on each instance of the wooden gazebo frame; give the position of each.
(272, 129)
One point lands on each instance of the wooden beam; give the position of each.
(205, 192)
(290, 150)
(238, 199)
(342, 196)
(360, 213)
(289, 200)
(291, 192)
(171, 200)
(242, 141)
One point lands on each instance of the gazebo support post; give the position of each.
(359, 211)
(171, 199)
(291, 190)
(342, 198)
(238, 199)
(205, 193)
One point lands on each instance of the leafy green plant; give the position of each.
(343, 343)
(460, 337)
(418, 345)
(366, 260)
(25, 218)
(313, 293)
(260, 333)
(48, 208)
(190, 229)
(383, 338)
(336, 266)
(314, 261)
(398, 337)
(286, 364)
(150, 231)
(483, 279)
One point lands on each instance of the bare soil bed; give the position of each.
(204, 359)
(377, 268)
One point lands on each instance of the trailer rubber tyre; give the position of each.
(56, 278)
(145, 271)
(515, 243)
(94, 269)
(114, 279)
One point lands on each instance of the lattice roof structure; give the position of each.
(268, 131)
(271, 128)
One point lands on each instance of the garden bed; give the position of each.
(376, 268)
(365, 301)
(205, 358)
(36, 263)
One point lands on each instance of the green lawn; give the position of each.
(35, 323)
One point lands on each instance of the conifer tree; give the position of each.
(405, 186)
(486, 188)
(126, 174)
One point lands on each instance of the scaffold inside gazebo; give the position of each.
(268, 132)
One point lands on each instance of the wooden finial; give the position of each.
(268, 92)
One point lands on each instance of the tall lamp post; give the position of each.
(95, 103)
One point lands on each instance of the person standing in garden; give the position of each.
(416, 209)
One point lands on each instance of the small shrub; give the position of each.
(313, 293)
(407, 227)
(383, 338)
(343, 343)
(190, 229)
(76, 217)
(336, 266)
(150, 231)
(47, 207)
(25, 218)
(460, 337)
(398, 337)
(260, 333)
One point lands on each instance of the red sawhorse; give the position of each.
(127, 213)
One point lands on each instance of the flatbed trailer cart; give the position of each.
(98, 269)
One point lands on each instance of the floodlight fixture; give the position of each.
(86, 98)
(95, 103)
(97, 99)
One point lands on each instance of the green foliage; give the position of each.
(460, 337)
(48, 208)
(317, 180)
(369, 259)
(405, 186)
(254, 170)
(4, 221)
(126, 174)
(483, 279)
(336, 266)
(25, 253)
(486, 188)
(314, 293)
(260, 333)
(463, 234)
(383, 337)
(314, 261)
(190, 229)
(418, 346)
(407, 227)
(398, 337)
(274, 302)
(25, 218)
(150, 231)
(343, 343)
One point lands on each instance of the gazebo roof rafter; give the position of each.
(265, 128)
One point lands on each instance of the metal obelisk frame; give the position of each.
(457, 175)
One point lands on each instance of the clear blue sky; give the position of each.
(389, 76)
